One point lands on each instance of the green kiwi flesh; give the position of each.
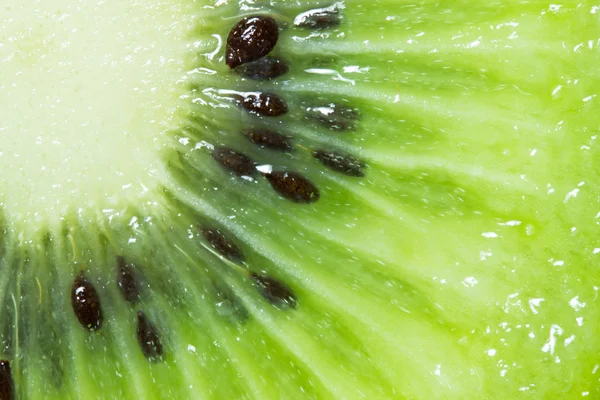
(400, 202)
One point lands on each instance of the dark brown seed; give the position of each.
(250, 39)
(148, 338)
(293, 186)
(343, 163)
(334, 117)
(238, 163)
(7, 385)
(269, 139)
(222, 244)
(126, 281)
(265, 104)
(263, 69)
(86, 303)
(274, 291)
(320, 18)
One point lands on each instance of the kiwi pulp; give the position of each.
(307, 199)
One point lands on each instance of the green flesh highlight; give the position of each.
(464, 265)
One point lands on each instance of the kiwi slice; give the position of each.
(299, 199)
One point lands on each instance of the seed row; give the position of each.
(247, 52)
(249, 43)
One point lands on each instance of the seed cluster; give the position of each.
(249, 43)
(271, 289)
(85, 300)
(248, 49)
(250, 37)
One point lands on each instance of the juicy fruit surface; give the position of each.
(463, 264)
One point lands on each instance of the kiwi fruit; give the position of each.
(299, 200)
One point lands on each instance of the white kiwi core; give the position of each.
(88, 90)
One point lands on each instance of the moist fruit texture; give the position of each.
(299, 199)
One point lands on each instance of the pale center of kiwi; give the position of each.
(88, 90)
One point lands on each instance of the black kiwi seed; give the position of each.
(222, 244)
(274, 291)
(320, 18)
(268, 139)
(293, 186)
(250, 39)
(7, 385)
(334, 117)
(339, 162)
(148, 338)
(265, 104)
(263, 69)
(238, 163)
(126, 281)
(86, 303)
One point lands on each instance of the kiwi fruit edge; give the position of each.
(406, 209)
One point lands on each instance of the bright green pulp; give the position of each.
(463, 266)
